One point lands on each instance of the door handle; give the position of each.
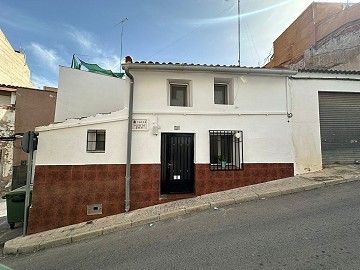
(169, 164)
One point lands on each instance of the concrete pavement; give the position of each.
(329, 176)
(2, 207)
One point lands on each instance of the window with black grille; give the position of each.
(226, 150)
(95, 141)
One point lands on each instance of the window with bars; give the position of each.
(226, 150)
(95, 141)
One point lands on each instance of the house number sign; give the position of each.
(140, 124)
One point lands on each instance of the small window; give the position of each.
(221, 93)
(179, 95)
(226, 150)
(95, 141)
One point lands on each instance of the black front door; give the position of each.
(177, 163)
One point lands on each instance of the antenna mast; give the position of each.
(121, 41)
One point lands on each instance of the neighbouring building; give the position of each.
(7, 129)
(13, 68)
(325, 105)
(324, 36)
(83, 93)
(21, 109)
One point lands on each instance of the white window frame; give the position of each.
(89, 148)
(185, 83)
(226, 99)
(229, 90)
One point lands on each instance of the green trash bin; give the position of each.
(15, 205)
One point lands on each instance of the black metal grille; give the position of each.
(95, 141)
(226, 150)
(177, 161)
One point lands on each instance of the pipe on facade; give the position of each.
(129, 137)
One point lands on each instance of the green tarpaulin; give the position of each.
(94, 68)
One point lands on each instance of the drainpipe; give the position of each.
(129, 137)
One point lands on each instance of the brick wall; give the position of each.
(62, 193)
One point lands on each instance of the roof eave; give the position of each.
(216, 69)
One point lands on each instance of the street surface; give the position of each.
(317, 229)
(5, 233)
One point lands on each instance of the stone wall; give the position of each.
(339, 51)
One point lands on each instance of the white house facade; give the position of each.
(195, 129)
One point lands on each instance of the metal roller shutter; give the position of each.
(340, 127)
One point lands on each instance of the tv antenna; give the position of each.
(121, 41)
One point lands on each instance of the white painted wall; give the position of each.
(252, 93)
(267, 139)
(65, 143)
(305, 108)
(83, 93)
(263, 141)
(259, 110)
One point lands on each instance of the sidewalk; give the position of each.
(329, 176)
(2, 207)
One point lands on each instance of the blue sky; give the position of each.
(191, 31)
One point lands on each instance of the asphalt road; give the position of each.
(317, 229)
(6, 233)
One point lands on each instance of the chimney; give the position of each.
(128, 59)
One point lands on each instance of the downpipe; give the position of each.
(129, 138)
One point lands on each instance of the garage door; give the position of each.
(340, 127)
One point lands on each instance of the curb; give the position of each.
(149, 215)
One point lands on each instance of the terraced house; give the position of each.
(174, 131)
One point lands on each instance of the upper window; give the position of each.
(226, 150)
(179, 95)
(221, 93)
(95, 141)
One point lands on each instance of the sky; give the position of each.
(177, 31)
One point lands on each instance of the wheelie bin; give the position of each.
(15, 205)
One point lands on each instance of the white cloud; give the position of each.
(82, 38)
(47, 56)
(91, 51)
(15, 18)
(40, 81)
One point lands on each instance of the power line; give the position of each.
(187, 34)
(252, 40)
(95, 56)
